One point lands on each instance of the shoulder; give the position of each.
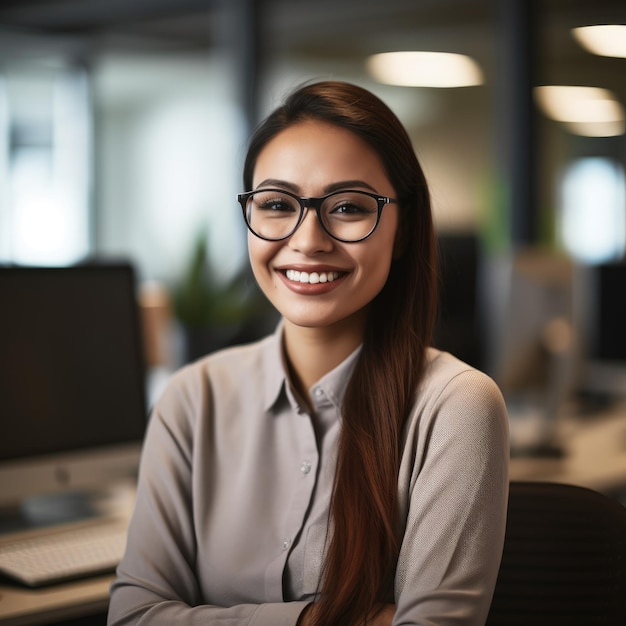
(453, 394)
(227, 361)
(447, 378)
(238, 367)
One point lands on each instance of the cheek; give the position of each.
(373, 265)
(260, 254)
(377, 262)
(379, 274)
(254, 254)
(389, 240)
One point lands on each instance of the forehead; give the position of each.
(315, 154)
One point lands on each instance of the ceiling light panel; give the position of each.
(607, 40)
(590, 111)
(425, 69)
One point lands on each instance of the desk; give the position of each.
(595, 453)
(61, 603)
(20, 606)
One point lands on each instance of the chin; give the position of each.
(306, 319)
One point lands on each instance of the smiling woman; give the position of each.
(359, 262)
(341, 471)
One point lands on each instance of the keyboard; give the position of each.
(64, 553)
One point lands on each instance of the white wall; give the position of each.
(169, 142)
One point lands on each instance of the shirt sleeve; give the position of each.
(456, 493)
(156, 582)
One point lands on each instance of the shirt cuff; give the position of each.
(278, 614)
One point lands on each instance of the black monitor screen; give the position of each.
(71, 365)
(609, 302)
(459, 327)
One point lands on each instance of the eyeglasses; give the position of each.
(348, 216)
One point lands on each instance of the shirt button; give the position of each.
(305, 468)
(318, 392)
(286, 544)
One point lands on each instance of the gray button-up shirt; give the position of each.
(231, 517)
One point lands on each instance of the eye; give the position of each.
(271, 201)
(347, 208)
(351, 205)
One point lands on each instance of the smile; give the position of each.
(312, 278)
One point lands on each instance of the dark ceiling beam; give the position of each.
(88, 15)
(237, 30)
(516, 130)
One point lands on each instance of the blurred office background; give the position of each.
(123, 126)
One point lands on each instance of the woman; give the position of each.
(341, 471)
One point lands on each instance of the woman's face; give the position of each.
(310, 159)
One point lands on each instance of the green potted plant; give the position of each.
(214, 313)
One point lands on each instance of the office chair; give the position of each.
(564, 560)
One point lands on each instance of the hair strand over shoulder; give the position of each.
(359, 568)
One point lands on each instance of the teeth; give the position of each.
(311, 278)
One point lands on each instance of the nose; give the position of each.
(310, 238)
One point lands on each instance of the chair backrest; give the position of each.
(564, 559)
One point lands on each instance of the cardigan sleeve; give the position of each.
(454, 478)
(156, 582)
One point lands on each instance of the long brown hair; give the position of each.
(362, 554)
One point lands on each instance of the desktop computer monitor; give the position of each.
(72, 384)
(459, 328)
(601, 323)
(538, 299)
(535, 356)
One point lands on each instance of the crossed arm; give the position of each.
(383, 617)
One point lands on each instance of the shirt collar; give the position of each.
(273, 369)
(333, 383)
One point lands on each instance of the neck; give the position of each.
(313, 352)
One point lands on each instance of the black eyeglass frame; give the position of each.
(315, 203)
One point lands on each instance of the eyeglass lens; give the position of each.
(347, 215)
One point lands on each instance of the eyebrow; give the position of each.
(338, 186)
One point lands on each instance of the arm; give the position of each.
(384, 617)
(157, 581)
(454, 478)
